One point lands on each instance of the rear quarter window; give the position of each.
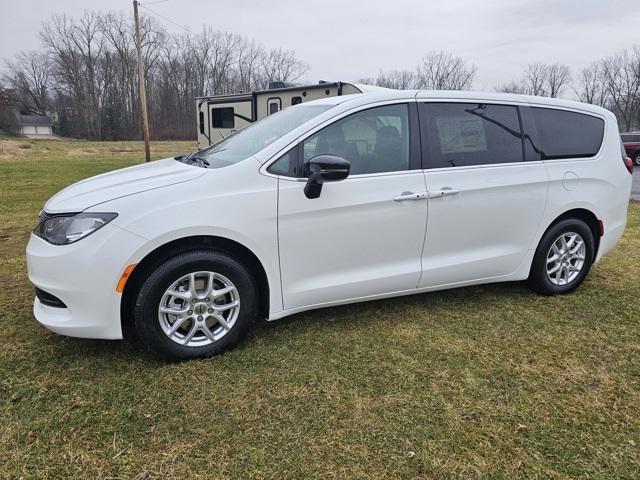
(563, 134)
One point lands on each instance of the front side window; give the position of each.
(222, 117)
(373, 141)
(257, 136)
(468, 134)
(564, 134)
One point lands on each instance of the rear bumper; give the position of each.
(610, 240)
(83, 276)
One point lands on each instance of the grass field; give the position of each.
(480, 382)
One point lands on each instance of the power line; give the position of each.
(163, 17)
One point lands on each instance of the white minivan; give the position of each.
(340, 200)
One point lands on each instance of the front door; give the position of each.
(361, 236)
(485, 201)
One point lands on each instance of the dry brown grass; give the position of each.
(11, 149)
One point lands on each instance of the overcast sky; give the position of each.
(347, 40)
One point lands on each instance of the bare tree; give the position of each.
(283, 65)
(367, 80)
(558, 77)
(443, 71)
(248, 73)
(590, 86)
(77, 48)
(544, 80)
(29, 74)
(397, 79)
(535, 80)
(512, 87)
(621, 76)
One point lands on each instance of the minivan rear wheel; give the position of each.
(196, 304)
(563, 258)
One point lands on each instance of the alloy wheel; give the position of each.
(199, 308)
(565, 258)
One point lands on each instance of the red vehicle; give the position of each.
(631, 142)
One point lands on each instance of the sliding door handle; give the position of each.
(443, 192)
(410, 196)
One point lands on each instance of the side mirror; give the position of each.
(325, 168)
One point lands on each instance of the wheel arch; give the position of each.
(588, 217)
(165, 251)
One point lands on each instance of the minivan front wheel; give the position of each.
(196, 304)
(563, 258)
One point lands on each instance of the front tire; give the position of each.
(636, 159)
(196, 304)
(563, 258)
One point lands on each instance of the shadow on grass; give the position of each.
(364, 314)
(368, 311)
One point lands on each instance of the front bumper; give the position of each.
(84, 276)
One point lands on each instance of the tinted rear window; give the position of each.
(563, 134)
(630, 138)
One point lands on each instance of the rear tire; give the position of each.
(636, 159)
(214, 298)
(563, 258)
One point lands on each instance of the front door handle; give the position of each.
(410, 196)
(443, 192)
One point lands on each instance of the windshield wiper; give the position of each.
(193, 159)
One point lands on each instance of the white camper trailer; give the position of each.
(221, 115)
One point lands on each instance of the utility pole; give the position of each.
(143, 93)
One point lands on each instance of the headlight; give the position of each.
(65, 229)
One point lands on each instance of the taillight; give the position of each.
(628, 163)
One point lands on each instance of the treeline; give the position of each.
(612, 82)
(86, 75)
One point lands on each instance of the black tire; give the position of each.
(159, 280)
(636, 159)
(538, 278)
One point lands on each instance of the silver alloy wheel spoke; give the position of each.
(173, 311)
(192, 286)
(192, 331)
(222, 291)
(208, 333)
(181, 295)
(188, 312)
(565, 258)
(177, 324)
(221, 320)
(554, 269)
(228, 306)
(211, 283)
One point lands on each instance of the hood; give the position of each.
(121, 183)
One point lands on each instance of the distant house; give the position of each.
(34, 125)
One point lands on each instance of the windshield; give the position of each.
(250, 140)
